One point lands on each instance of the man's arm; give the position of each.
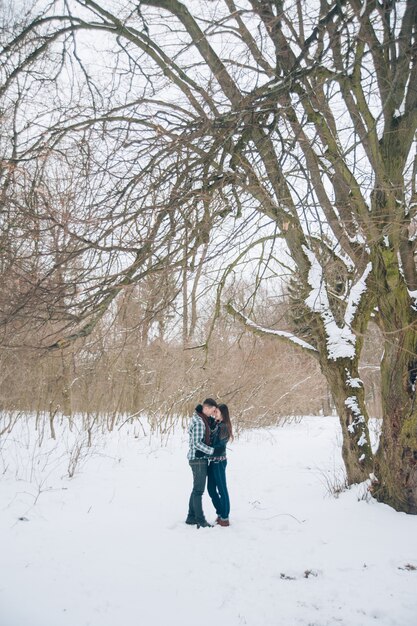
(198, 436)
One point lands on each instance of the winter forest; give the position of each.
(208, 199)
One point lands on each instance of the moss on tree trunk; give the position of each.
(396, 459)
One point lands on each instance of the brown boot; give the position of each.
(223, 522)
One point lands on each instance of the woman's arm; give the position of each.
(220, 440)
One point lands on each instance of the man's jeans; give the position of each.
(217, 488)
(195, 507)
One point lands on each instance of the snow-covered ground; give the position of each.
(110, 547)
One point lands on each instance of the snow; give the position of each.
(362, 442)
(279, 333)
(352, 403)
(413, 295)
(340, 340)
(110, 546)
(358, 238)
(354, 383)
(355, 295)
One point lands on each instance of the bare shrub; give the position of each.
(335, 483)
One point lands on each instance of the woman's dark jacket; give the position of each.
(219, 436)
(219, 439)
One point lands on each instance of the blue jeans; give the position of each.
(217, 488)
(195, 505)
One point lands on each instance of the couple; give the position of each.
(209, 431)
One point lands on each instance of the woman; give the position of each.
(216, 485)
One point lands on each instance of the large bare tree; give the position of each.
(203, 117)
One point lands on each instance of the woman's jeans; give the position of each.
(217, 488)
(195, 506)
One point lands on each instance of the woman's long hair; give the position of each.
(224, 410)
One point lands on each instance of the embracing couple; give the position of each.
(209, 431)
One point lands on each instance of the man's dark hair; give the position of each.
(210, 402)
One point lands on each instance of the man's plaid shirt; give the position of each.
(197, 431)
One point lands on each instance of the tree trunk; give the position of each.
(348, 395)
(66, 384)
(396, 459)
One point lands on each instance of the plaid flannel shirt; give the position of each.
(197, 432)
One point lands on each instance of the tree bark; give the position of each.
(348, 395)
(396, 459)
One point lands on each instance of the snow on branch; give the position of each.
(340, 340)
(413, 295)
(280, 334)
(355, 295)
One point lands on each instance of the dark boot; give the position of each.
(204, 524)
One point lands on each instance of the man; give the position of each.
(199, 431)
